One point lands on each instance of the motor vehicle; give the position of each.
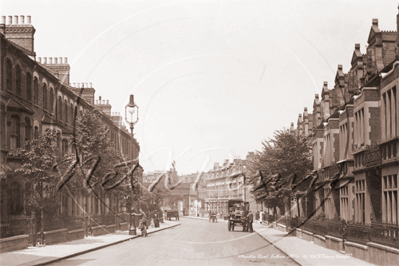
(238, 211)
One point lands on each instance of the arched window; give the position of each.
(18, 74)
(3, 126)
(44, 96)
(36, 136)
(14, 133)
(28, 130)
(60, 108)
(35, 91)
(51, 103)
(66, 111)
(29, 87)
(8, 74)
(14, 202)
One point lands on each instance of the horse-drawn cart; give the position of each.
(238, 211)
(170, 214)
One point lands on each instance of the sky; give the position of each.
(212, 79)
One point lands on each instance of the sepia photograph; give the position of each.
(199, 132)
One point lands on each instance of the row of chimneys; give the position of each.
(101, 102)
(50, 60)
(28, 18)
(115, 113)
(82, 85)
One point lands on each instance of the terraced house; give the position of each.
(36, 94)
(354, 130)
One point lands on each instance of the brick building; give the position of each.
(36, 95)
(355, 137)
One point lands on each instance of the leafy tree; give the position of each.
(36, 167)
(281, 157)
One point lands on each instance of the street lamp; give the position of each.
(132, 117)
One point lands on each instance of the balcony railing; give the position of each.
(385, 234)
(359, 233)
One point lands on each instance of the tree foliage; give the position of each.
(37, 168)
(282, 156)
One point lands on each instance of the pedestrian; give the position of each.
(250, 221)
(257, 215)
(261, 217)
(156, 220)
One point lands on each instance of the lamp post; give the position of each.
(132, 117)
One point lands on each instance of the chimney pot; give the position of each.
(10, 20)
(340, 67)
(300, 115)
(39, 59)
(305, 109)
(292, 124)
(107, 101)
(357, 46)
(45, 60)
(90, 85)
(65, 60)
(16, 19)
(29, 19)
(22, 19)
(3, 19)
(60, 60)
(375, 21)
(99, 97)
(55, 60)
(325, 83)
(50, 60)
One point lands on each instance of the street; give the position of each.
(194, 242)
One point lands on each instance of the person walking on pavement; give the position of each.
(250, 221)
(143, 226)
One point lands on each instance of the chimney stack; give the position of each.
(22, 19)
(16, 20)
(9, 20)
(375, 22)
(28, 18)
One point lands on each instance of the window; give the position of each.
(344, 191)
(44, 96)
(3, 126)
(8, 75)
(18, 79)
(360, 212)
(51, 102)
(35, 91)
(36, 133)
(28, 129)
(390, 199)
(15, 197)
(29, 87)
(14, 133)
(66, 111)
(28, 195)
(59, 108)
(390, 114)
(71, 113)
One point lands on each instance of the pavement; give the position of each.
(301, 251)
(53, 253)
